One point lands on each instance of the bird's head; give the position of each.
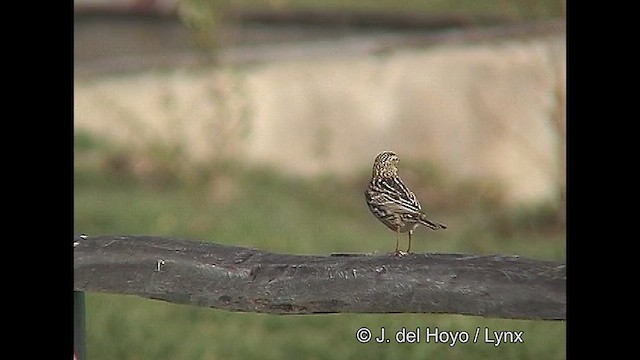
(385, 164)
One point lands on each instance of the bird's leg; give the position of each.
(409, 248)
(397, 240)
(399, 253)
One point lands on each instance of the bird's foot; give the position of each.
(399, 253)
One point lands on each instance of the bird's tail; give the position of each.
(431, 224)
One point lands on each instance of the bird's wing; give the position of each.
(392, 193)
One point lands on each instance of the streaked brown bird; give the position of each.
(391, 201)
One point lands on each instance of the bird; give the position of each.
(392, 202)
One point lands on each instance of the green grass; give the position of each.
(516, 9)
(257, 208)
(203, 16)
(124, 327)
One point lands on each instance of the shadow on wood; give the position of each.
(243, 279)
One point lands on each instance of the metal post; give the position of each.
(78, 326)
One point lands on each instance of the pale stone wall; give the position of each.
(492, 110)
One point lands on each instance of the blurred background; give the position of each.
(255, 123)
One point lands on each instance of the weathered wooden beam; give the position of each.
(242, 279)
